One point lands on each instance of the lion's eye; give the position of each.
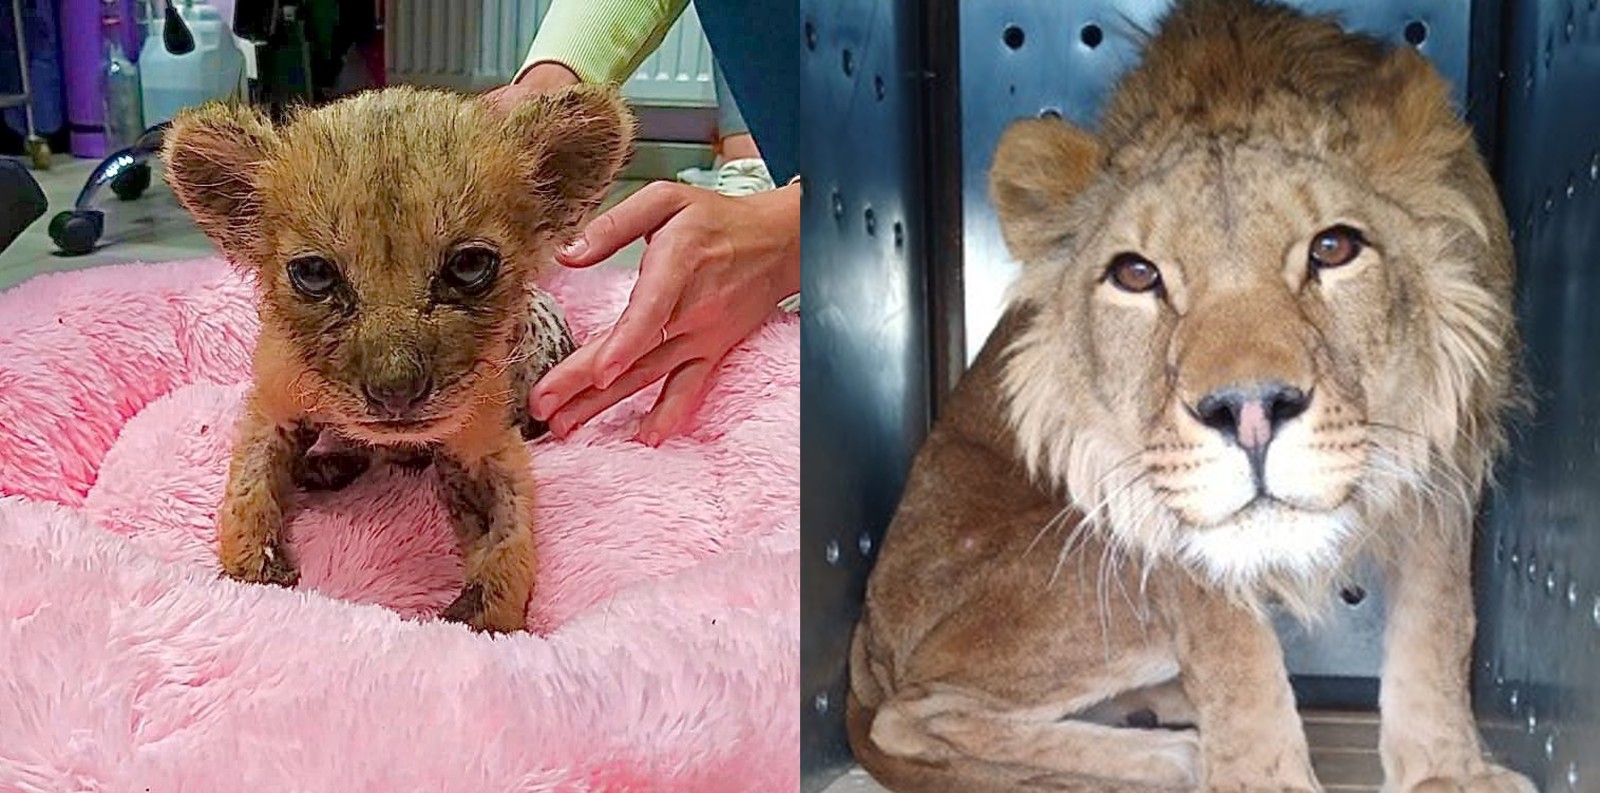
(313, 276)
(1335, 247)
(471, 269)
(1132, 273)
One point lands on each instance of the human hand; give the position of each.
(714, 268)
(543, 78)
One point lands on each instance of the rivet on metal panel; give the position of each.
(811, 35)
(1527, 82)
(1499, 548)
(899, 235)
(1570, 27)
(1353, 595)
(1533, 720)
(1416, 32)
(820, 702)
(1594, 166)
(1549, 201)
(1594, 613)
(878, 88)
(1550, 746)
(1091, 35)
(1572, 186)
(1572, 775)
(1550, 583)
(1050, 113)
(848, 60)
(831, 552)
(1533, 569)
(1013, 37)
(838, 205)
(1516, 558)
(1572, 595)
(1549, 50)
(871, 222)
(864, 544)
(1514, 699)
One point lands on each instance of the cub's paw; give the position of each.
(475, 610)
(265, 564)
(1494, 779)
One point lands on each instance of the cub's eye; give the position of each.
(313, 276)
(1132, 273)
(471, 269)
(1335, 247)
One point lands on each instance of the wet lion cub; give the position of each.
(393, 239)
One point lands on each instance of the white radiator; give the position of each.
(478, 44)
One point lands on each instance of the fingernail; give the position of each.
(652, 439)
(544, 407)
(575, 247)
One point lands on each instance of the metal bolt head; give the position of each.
(1550, 746)
(1514, 699)
(1572, 775)
(831, 552)
(1572, 595)
(820, 702)
(838, 205)
(1550, 583)
(864, 543)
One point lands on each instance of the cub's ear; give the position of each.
(580, 138)
(1039, 166)
(213, 154)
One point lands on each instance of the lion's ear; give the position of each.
(1039, 166)
(1413, 130)
(582, 137)
(212, 155)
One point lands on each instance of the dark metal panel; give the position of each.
(864, 347)
(1538, 684)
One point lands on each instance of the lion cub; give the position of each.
(393, 238)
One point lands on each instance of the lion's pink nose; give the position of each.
(1250, 415)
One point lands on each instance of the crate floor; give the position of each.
(1344, 749)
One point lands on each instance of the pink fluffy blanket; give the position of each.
(666, 618)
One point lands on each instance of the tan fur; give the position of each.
(386, 186)
(1075, 546)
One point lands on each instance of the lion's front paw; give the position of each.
(267, 563)
(1494, 779)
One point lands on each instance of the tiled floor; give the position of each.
(1344, 749)
(151, 229)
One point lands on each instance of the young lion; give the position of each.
(1264, 328)
(393, 239)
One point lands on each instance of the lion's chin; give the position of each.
(1267, 539)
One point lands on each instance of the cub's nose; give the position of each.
(1249, 415)
(396, 397)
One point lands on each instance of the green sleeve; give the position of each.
(602, 41)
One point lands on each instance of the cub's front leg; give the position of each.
(258, 499)
(490, 501)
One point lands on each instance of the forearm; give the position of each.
(602, 41)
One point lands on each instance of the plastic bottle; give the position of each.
(124, 112)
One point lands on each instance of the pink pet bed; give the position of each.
(665, 648)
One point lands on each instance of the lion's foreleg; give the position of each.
(1429, 740)
(1251, 738)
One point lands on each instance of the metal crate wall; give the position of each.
(864, 398)
(889, 325)
(1538, 681)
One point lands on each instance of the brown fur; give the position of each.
(386, 186)
(1077, 550)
